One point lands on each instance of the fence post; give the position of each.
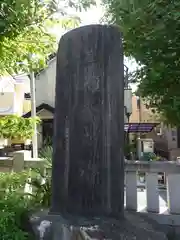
(152, 192)
(173, 199)
(18, 160)
(131, 190)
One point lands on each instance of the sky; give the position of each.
(94, 16)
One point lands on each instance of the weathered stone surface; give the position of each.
(69, 227)
(88, 162)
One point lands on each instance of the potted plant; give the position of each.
(24, 129)
(3, 133)
(18, 129)
(27, 129)
(129, 151)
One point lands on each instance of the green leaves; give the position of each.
(15, 53)
(13, 204)
(25, 28)
(151, 31)
(15, 15)
(22, 32)
(13, 126)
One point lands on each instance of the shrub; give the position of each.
(11, 182)
(13, 126)
(46, 154)
(12, 207)
(41, 179)
(14, 203)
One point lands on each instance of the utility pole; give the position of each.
(33, 102)
(128, 94)
(126, 77)
(33, 106)
(128, 99)
(33, 113)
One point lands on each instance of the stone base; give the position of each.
(57, 227)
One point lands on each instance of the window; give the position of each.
(173, 132)
(138, 103)
(158, 130)
(27, 96)
(174, 135)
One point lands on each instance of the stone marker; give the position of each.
(88, 161)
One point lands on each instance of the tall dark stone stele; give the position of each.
(88, 162)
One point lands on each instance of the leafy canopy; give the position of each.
(15, 15)
(151, 31)
(26, 39)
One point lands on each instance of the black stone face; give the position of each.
(88, 162)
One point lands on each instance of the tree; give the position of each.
(30, 48)
(17, 14)
(151, 31)
(25, 30)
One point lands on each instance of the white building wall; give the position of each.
(12, 94)
(171, 136)
(45, 85)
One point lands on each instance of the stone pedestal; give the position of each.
(68, 227)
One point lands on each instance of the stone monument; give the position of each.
(89, 123)
(88, 161)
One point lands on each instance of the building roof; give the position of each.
(43, 106)
(21, 78)
(51, 57)
(139, 127)
(13, 79)
(5, 81)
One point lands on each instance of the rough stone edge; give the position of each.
(48, 224)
